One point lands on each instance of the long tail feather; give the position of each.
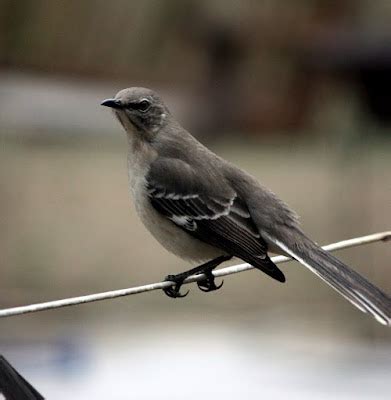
(354, 287)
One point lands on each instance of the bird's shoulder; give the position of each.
(189, 173)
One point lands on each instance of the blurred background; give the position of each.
(297, 93)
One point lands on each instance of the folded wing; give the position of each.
(215, 215)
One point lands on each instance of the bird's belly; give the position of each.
(170, 236)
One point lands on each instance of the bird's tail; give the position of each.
(354, 287)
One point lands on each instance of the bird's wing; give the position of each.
(209, 210)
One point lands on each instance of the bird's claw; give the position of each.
(208, 284)
(173, 291)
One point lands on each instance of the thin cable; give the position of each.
(72, 301)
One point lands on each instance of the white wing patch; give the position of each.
(185, 222)
(186, 209)
(174, 196)
(160, 193)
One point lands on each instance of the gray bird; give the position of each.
(204, 209)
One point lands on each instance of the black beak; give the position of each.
(112, 103)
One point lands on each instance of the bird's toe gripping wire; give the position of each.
(174, 291)
(208, 284)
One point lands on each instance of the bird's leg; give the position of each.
(206, 285)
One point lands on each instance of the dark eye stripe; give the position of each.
(142, 105)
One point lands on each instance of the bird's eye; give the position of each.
(142, 105)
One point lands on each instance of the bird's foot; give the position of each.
(174, 291)
(208, 284)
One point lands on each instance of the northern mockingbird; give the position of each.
(204, 209)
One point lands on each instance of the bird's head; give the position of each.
(139, 110)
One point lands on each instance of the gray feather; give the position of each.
(197, 206)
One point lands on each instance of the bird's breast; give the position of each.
(169, 235)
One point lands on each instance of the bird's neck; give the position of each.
(140, 155)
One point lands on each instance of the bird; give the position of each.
(206, 210)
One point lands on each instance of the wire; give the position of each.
(72, 301)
